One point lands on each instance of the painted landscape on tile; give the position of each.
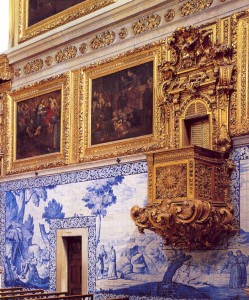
(127, 262)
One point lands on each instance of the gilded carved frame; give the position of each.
(59, 85)
(26, 32)
(124, 146)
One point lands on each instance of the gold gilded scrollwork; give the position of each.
(192, 224)
(146, 23)
(103, 39)
(65, 54)
(188, 183)
(33, 66)
(193, 6)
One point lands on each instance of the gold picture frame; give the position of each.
(37, 126)
(123, 122)
(29, 28)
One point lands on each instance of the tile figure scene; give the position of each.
(126, 262)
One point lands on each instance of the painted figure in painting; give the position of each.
(38, 125)
(112, 271)
(122, 104)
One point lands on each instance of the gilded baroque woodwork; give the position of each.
(5, 69)
(146, 23)
(192, 224)
(188, 183)
(192, 6)
(169, 15)
(189, 205)
(198, 69)
(65, 54)
(102, 39)
(33, 66)
(13, 165)
(171, 181)
(239, 108)
(64, 17)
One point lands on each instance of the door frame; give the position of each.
(62, 258)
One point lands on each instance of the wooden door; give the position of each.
(74, 249)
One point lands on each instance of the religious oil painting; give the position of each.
(39, 16)
(119, 102)
(122, 104)
(39, 10)
(38, 125)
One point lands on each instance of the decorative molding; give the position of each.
(77, 222)
(49, 60)
(73, 13)
(33, 66)
(192, 6)
(169, 15)
(146, 23)
(83, 48)
(123, 32)
(102, 39)
(67, 53)
(18, 72)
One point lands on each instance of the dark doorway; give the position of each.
(74, 251)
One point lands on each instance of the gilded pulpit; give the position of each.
(188, 182)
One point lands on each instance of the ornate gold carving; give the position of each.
(197, 70)
(169, 15)
(103, 39)
(65, 54)
(189, 205)
(33, 66)
(13, 166)
(204, 181)
(192, 224)
(49, 60)
(57, 20)
(5, 69)
(171, 181)
(185, 173)
(83, 48)
(18, 72)
(123, 32)
(146, 23)
(239, 108)
(193, 6)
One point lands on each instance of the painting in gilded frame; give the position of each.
(39, 16)
(120, 105)
(38, 125)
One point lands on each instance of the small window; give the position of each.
(197, 132)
